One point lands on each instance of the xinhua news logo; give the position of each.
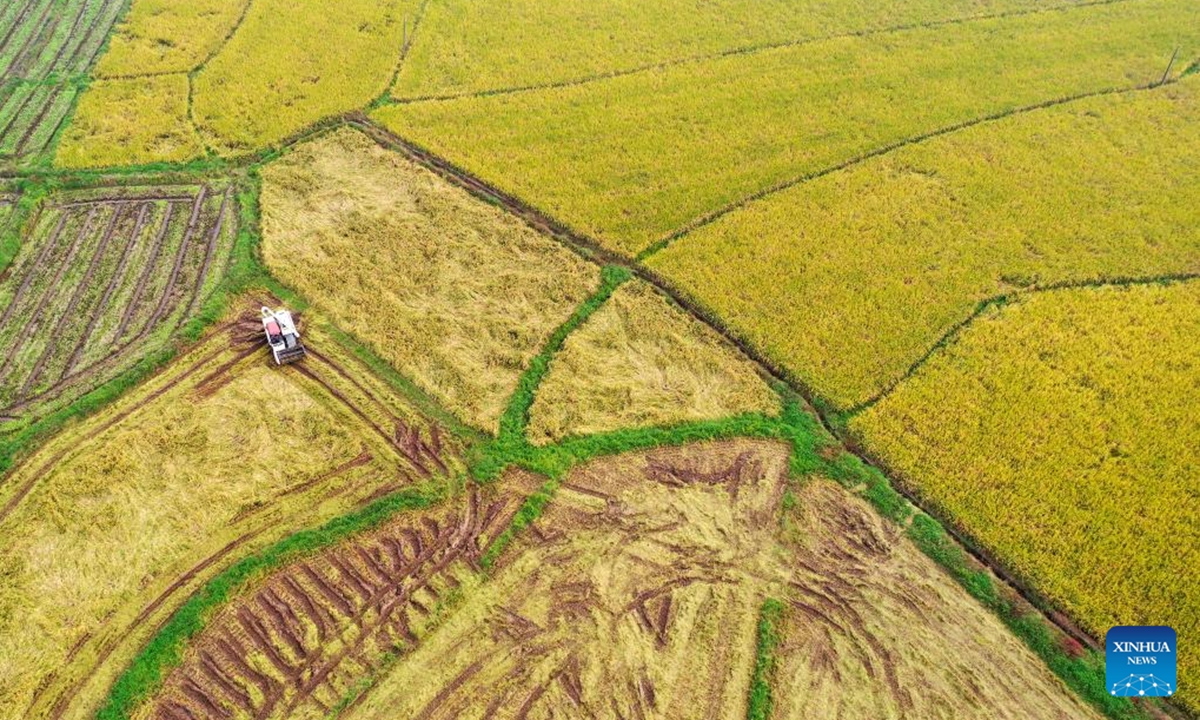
(1139, 661)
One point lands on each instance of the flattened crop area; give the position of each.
(104, 277)
(46, 48)
(113, 524)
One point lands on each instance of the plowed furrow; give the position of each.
(257, 632)
(196, 693)
(235, 656)
(277, 622)
(113, 283)
(352, 579)
(68, 315)
(31, 270)
(313, 611)
(237, 695)
(209, 249)
(164, 300)
(31, 324)
(331, 594)
(144, 278)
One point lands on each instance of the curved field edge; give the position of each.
(813, 451)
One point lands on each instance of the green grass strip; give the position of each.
(769, 619)
(165, 650)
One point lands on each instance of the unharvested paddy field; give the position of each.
(104, 277)
(609, 309)
(1074, 450)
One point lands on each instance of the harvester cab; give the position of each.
(282, 336)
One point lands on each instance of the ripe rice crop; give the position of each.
(112, 524)
(292, 63)
(168, 36)
(455, 293)
(134, 121)
(466, 46)
(104, 277)
(46, 48)
(632, 159)
(848, 279)
(1059, 431)
(639, 361)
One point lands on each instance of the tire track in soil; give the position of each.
(165, 298)
(31, 270)
(209, 249)
(29, 5)
(147, 272)
(31, 325)
(68, 313)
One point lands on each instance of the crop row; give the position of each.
(102, 278)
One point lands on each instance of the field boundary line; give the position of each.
(715, 215)
(997, 302)
(405, 45)
(742, 50)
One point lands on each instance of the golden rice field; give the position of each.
(641, 361)
(1071, 450)
(500, 45)
(905, 245)
(131, 121)
(169, 36)
(453, 292)
(110, 526)
(632, 159)
(238, 77)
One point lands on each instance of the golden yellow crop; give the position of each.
(455, 293)
(638, 361)
(124, 122)
(168, 36)
(849, 279)
(293, 62)
(631, 159)
(1060, 432)
(464, 46)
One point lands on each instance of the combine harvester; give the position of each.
(282, 336)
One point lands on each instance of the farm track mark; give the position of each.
(748, 50)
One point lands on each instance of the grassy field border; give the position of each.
(761, 700)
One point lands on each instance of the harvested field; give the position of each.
(874, 629)
(46, 49)
(454, 293)
(1072, 447)
(464, 47)
(637, 594)
(631, 160)
(111, 525)
(309, 634)
(129, 122)
(906, 245)
(642, 361)
(104, 277)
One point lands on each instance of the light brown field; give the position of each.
(455, 293)
(641, 360)
(109, 526)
